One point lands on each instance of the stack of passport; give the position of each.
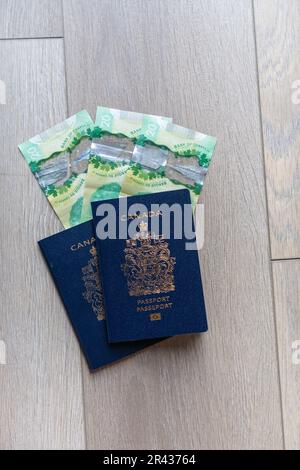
(125, 290)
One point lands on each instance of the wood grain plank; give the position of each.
(33, 73)
(278, 48)
(287, 293)
(40, 386)
(30, 19)
(194, 61)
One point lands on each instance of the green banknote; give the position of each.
(116, 133)
(58, 158)
(168, 157)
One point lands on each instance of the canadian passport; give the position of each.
(72, 259)
(151, 279)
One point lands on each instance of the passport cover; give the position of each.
(152, 286)
(72, 260)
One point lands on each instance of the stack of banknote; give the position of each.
(122, 153)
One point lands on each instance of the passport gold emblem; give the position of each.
(155, 316)
(93, 293)
(149, 266)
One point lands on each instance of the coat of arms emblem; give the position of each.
(93, 289)
(149, 266)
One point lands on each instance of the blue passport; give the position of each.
(151, 279)
(72, 260)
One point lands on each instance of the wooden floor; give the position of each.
(227, 68)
